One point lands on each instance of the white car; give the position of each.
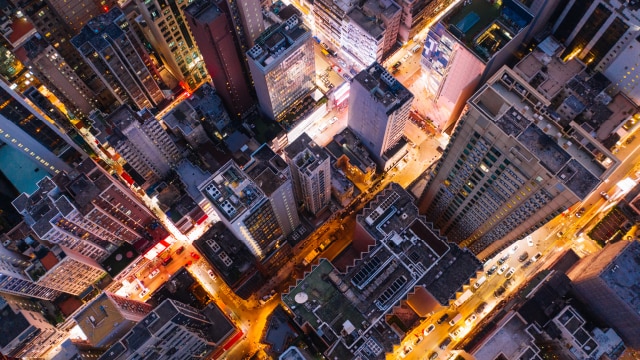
(154, 273)
(333, 120)
(536, 257)
(211, 274)
(428, 330)
(502, 269)
(471, 319)
(513, 249)
(407, 349)
(510, 273)
(529, 240)
(143, 293)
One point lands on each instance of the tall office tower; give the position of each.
(167, 31)
(311, 171)
(466, 48)
(246, 16)
(107, 317)
(172, 330)
(378, 112)
(142, 142)
(328, 16)
(27, 130)
(271, 173)
(282, 66)
(371, 31)
(75, 14)
(58, 35)
(86, 210)
(244, 207)
(26, 334)
(596, 31)
(416, 14)
(510, 168)
(15, 281)
(109, 46)
(64, 270)
(605, 282)
(215, 37)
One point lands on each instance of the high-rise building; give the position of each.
(108, 45)
(26, 334)
(220, 50)
(282, 66)
(172, 330)
(328, 16)
(27, 130)
(86, 210)
(416, 14)
(604, 281)
(75, 14)
(509, 168)
(142, 142)
(596, 31)
(107, 317)
(15, 281)
(242, 206)
(378, 112)
(246, 16)
(466, 48)
(63, 270)
(371, 31)
(166, 29)
(311, 171)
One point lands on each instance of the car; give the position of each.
(194, 255)
(480, 308)
(559, 234)
(180, 250)
(523, 256)
(510, 273)
(211, 274)
(492, 270)
(503, 259)
(419, 339)
(353, 72)
(529, 240)
(499, 292)
(325, 46)
(167, 260)
(407, 349)
(455, 333)
(333, 120)
(507, 284)
(513, 249)
(428, 330)
(580, 212)
(443, 318)
(604, 195)
(397, 64)
(154, 273)
(445, 343)
(471, 319)
(188, 263)
(502, 269)
(433, 356)
(144, 293)
(536, 257)
(342, 63)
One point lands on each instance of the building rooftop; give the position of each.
(277, 41)
(231, 191)
(392, 210)
(306, 154)
(384, 87)
(208, 106)
(192, 176)
(267, 169)
(485, 28)
(370, 24)
(346, 143)
(228, 255)
(576, 159)
(622, 272)
(512, 340)
(203, 10)
(97, 30)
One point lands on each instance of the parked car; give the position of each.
(143, 293)
(502, 269)
(428, 330)
(536, 257)
(445, 343)
(154, 273)
(510, 273)
(523, 256)
(211, 274)
(443, 318)
(180, 250)
(492, 270)
(529, 240)
(194, 255)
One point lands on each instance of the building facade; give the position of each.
(221, 51)
(378, 111)
(282, 66)
(509, 168)
(107, 43)
(311, 171)
(329, 16)
(15, 281)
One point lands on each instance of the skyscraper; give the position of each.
(108, 45)
(77, 13)
(221, 53)
(167, 31)
(142, 142)
(605, 282)
(282, 66)
(378, 112)
(24, 128)
(16, 281)
(509, 168)
(311, 171)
